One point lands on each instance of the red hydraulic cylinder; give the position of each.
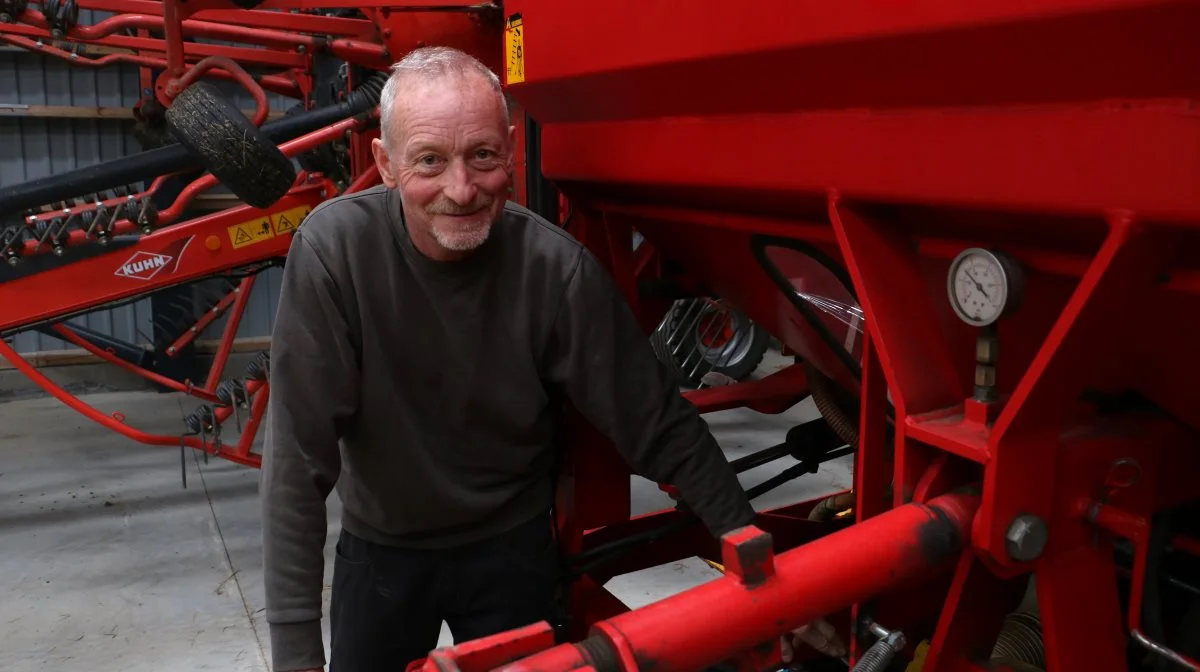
(760, 598)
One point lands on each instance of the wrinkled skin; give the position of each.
(451, 160)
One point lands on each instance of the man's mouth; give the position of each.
(460, 213)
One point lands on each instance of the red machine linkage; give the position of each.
(970, 223)
(853, 177)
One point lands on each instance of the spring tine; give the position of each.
(143, 221)
(696, 349)
(46, 229)
(183, 461)
(682, 323)
(726, 318)
(8, 239)
(84, 222)
(97, 222)
(118, 212)
(100, 212)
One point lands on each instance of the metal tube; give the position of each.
(150, 164)
(759, 598)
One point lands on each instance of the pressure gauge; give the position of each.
(983, 286)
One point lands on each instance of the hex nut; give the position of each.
(1026, 538)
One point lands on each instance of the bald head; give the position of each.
(439, 67)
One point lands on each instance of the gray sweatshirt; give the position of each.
(427, 392)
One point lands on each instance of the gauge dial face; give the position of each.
(978, 287)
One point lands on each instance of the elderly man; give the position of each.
(427, 332)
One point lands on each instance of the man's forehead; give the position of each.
(445, 96)
(429, 100)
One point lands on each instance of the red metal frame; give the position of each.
(168, 253)
(1060, 132)
(1028, 128)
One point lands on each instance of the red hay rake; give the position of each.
(74, 252)
(863, 180)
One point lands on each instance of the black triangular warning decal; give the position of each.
(241, 237)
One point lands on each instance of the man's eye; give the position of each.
(484, 154)
(428, 160)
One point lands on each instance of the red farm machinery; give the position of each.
(968, 222)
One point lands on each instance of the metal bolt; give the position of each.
(1026, 538)
(879, 656)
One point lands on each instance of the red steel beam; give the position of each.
(246, 55)
(758, 599)
(300, 23)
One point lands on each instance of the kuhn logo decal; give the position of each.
(143, 265)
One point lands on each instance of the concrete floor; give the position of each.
(108, 563)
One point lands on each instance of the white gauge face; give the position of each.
(978, 287)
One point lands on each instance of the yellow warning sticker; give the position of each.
(514, 49)
(251, 232)
(289, 220)
(265, 228)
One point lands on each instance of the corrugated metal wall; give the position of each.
(35, 147)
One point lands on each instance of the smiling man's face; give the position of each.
(451, 160)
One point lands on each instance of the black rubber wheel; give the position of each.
(700, 336)
(206, 122)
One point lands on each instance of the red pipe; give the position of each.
(231, 328)
(1189, 545)
(1137, 530)
(216, 31)
(113, 423)
(69, 335)
(258, 409)
(280, 84)
(262, 107)
(760, 598)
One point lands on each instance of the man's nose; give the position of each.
(460, 188)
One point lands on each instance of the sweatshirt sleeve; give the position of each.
(599, 356)
(314, 390)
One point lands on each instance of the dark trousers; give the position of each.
(388, 604)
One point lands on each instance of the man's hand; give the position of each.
(819, 634)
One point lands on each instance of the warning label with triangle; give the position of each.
(266, 228)
(289, 220)
(251, 232)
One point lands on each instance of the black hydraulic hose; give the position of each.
(173, 158)
(1152, 598)
(793, 472)
(599, 555)
(757, 459)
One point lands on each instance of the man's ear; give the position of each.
(383, 163)
(512, 148)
